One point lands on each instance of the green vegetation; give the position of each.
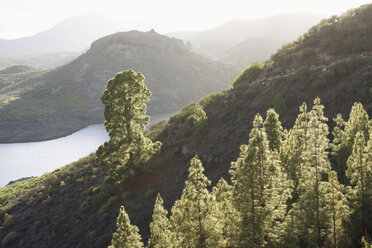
(10, 238)
(127, 235)
(125, 121)
(334, 192)
(284, 192)
(70, 94)
(248, 75)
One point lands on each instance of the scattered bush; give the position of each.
(248, 75)
(51, 180)
(84, 207)
(108, 204)
(150, 193)
(10, 238)
(302, 73)
(9, 220)
(279, 104)
(92, 234)
(126, 195)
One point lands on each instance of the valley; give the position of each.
(286, 135)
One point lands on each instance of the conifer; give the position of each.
(311, 200)
(159, 227)
(225, 214)
(344, 136)
(126, 235)
(336, 209)
(258, 194)
(192, 222)
(292, 149)
(274, 130)
(125, 120)
(359, 172)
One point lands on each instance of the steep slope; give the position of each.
(281, 28)
(80, 213)
(72, 35)
(67, 98)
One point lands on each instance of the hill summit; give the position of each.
(67, 98)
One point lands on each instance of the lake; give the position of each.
(19, 160)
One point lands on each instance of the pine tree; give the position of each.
(191, 219)
(336, 209)
(292, 149)
(125, 119)
(126, 235)
(311, 200)
(274, 130)
(226, 215)
(258, 194)
(159, 227)
(359, 172)
(345, 134)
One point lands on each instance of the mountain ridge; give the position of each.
(65, 99)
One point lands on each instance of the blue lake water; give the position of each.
(19, 160)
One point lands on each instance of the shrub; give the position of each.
(84, 207)
(126, 195)
(302, 73)
(51, 180)
(92, 234)
(279, 104)
(111, 201)
(250, 92)
(10, 238)
(9, 220)
(248, 75)
(156, 129)
(150, 193)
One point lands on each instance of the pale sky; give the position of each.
(20, 18)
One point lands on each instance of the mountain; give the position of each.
(238, 40)
(77, 205)
(65, 99)
(246, 52)
(72, 35)
(43, 60)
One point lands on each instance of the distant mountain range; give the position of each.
(72, 35)
(237, 42)
(37, 105)
(242, 42)
(41, 60)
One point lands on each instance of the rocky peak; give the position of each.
(149, 39)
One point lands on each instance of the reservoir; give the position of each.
(19, 160)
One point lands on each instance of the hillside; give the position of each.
(78, 206)
(238, 40)
(43, 60)
(67, 98)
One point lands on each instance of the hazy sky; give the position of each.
(26, 17)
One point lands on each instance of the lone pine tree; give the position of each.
(125, 119)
